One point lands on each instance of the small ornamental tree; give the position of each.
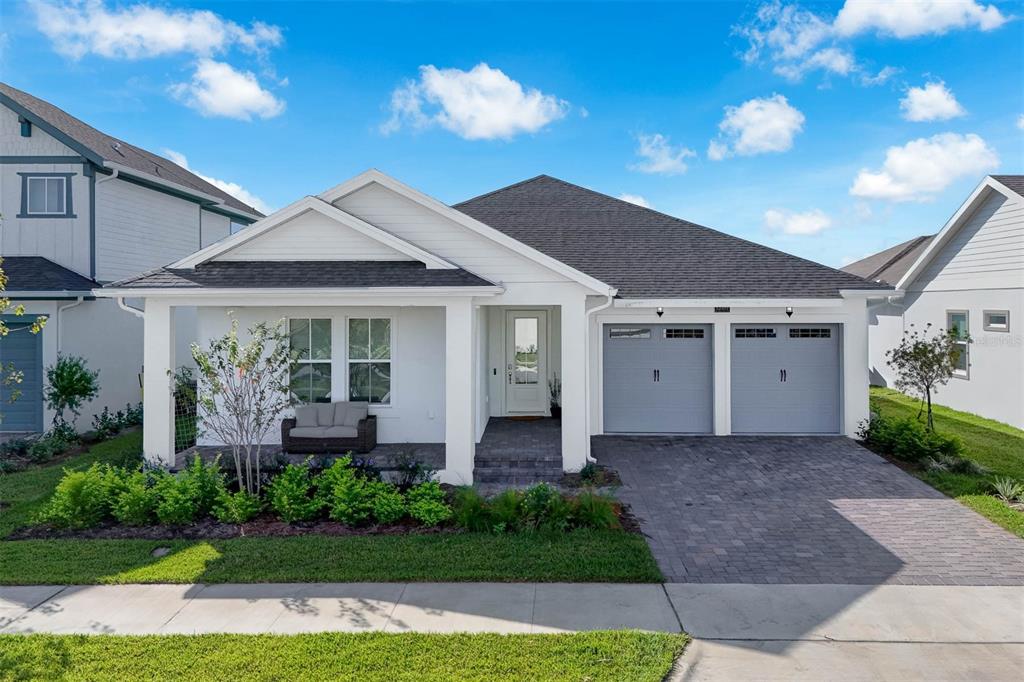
(241, 390)
(923, 361)
(69, 385)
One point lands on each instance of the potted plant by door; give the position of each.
(555, 391)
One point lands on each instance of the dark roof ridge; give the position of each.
(502, 189)
(908, 247)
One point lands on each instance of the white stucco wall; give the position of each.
(416, 413)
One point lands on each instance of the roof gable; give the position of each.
(108, 151)
(312, 229)
(648, 254)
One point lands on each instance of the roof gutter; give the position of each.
(49, 295)
(310, 292)
(203, 197)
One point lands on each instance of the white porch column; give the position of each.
(721, 337)
(575, 439)
(856, 373)
(459, 393)
(158, 386)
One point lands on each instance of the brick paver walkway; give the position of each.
(801, 510)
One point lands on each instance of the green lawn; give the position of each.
(591, 656)
(579, 556)
(997, 446)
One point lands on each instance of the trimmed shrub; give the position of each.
(909, 440)
(81, 500)
(290, 495)
(471, 511)
(427, 505)
(237, 507)
(506, 510)
(69, 385)
(388, 503)
(347, 496)
(176, 500)
(135, 502)
(206, 482)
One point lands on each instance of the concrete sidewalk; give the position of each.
(742, 632)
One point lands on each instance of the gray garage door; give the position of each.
(657, 378)
(23, 351)
(785, 378)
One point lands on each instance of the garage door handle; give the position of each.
(784, 376)
(657, 375)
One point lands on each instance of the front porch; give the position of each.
(513, 451)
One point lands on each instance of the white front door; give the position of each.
(526, 368)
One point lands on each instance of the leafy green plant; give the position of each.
(82, 499)
(135, 503)
(69, 385)
(536, 502)
(909, 440)
(47, 446)
(471, 511)
(237, 507)
(427, 505)
(956, 465)
(176, 503)
(506, 509)
(593, 510)
(1008, 490)
(206, 481)
(388, 503)
(923, 362)
(347, 496)
(411, 472)
(291, 497)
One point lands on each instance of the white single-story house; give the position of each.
(970, 277)
(446, 316)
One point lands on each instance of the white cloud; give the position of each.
(659, 156)
(217, 89)
(933, 102)
(917, 18)
(232, 188)
(635, 199)
(1020, 121)
(793, 223)
(922, 168)
(796, 41)
(82, 27)
(479, 104)
(883, 76)
(757, 126)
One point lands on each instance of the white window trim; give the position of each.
(987, 327)
(329, 362)
(966, 372)
(394, 335)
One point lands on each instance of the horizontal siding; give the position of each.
(408, 220)
(987, 252)
(214, 227)
(64, 241)
(138, 229)
(313, 236)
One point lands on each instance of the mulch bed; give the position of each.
(606, 478)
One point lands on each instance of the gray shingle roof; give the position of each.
(647, 254)
(890, 265)
(1014, 182)
(118, 151)
(302, 274)
(35, 273)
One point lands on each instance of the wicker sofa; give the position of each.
(329, 428)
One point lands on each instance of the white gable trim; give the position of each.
(375, 176)
(953, 225)
(317, 204)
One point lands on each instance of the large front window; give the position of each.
(311, 371)
(369, 359)
(957, 325)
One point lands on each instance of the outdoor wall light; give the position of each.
(789, 312)
(661, 311)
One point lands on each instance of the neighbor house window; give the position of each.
(310, 342)
(46, 195)
(996, 321)
(957, 324)
(369, 359)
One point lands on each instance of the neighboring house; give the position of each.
(968, 277)
(443, 317)
(80, 208)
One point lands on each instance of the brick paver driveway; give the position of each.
(800, 510)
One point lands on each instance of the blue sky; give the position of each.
(827, 130)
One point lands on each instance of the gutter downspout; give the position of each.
(586, 376)
(127, 308)
(60, 327)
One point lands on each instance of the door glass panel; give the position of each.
(526, 369)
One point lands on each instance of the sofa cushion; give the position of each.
(305, 415)
(309, 432)
(340, 413)
(325, 414)
(341, 432)
(356, 413)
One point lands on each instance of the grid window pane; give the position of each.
(55, 195)
(380, 339)
(320, 340)
(359, 381)
(300, 383)
(37, 195)
(961, 358)
(958, 324)
(380, 382)
(359, 339)
(298, 337)
(320, 382)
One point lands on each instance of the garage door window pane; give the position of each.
(810, 333)
(755, 333)
(684, 333)
(628, 333)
